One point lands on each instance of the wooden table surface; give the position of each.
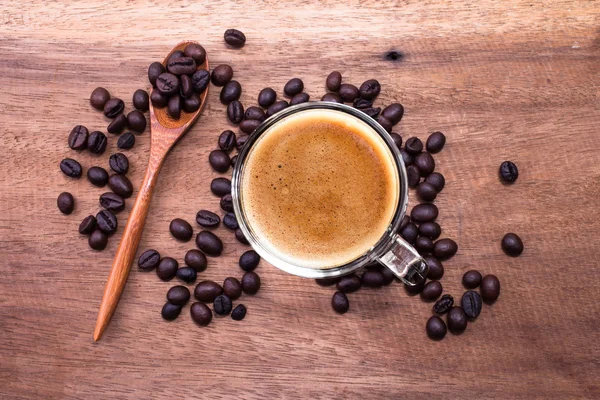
(504, 80)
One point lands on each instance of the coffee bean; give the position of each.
(78, 137)
(181, 65)
(385, 123)
(174, 107)
(348, 92)
(186, 88)
(445, 248)
(200, 80)
(424, 212)
(426, 191)
(230, 221)
(207, 219)
(239, 235)
(490, 288)
(119, 163)
(372, 112)
(276, 107)
(112, 202)
(406, 157)
(239, 312)
(471, 304)
(207, 291)
(327, 281)
(195, 51)
(221, 75)
(187, 274)
(424, 245)
(65, 203)
(349, 284)
(249, 125)
(413, 176)
(331, 97)
(369, 89)
(167, 268)
(107, 222)
(113, 107)
(181, 229)
(226, 203)
(195, 259)
(235, 112)
(388, 276)
(249, 260)
(149, 260)
(409, 233)
(404, 222)
(191, 104)
(415, 289)
(126, 141)
(170, 311)
(141, 100)
(436, 269)
(372, 278)
(444, 304)
(432, 230)
(70, 168)
(397, 139)
(250, 282)
(158, 100)
(97, 240)
(361, 104)
(456, 320)
(121, 185)
(471, 279)
(117, 125)
(240, 141)
(333, 81)
(414, 145)
(201, 314)
(340, 303)
(393, 113)
(232, 288)
(136, 121)
(88, 225)
(96, 143)
(425, 163)
(220, 186)
(431, 291)
(99, 98)
(222, 305)
(256, 113)
(437, 180)
(508, 172)
(227, 140)
(299, 98)
(234, 38)
(154, 70)
(209, 243)
(266, 97)
(435, 328)
(293, 87)
(219, 160)
(230, 92)
(435, 142)
(97, 176)
(167, 84)
(512, 245)
(178, 295)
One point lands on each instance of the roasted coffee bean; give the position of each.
(239, 313)
(170, 311)
(174, 107)
(187, 274)
(436, 269)
(385, 123)
(117, 125)
(340, 303)
(167, 84)
(149, 260)
(431, 291)
(372, 112)
(435, 142)
(372, 278)
(369, 89)
(276, 107)
(158, 99)
(393, 113)
(240, 141)
(226, 202)
(167, 268)
(445, 248)
(362, 103)
(235, 112)
(388, 276)
(65, 203)
(333, 81)
(424, 245)
(97, 176)
(207, 291)
(200, 80)
(425, 162)
(256, 113)
(220, 186)
(112, 202)
(239, 235)
(119, 163)
(404, 222)
(227, 140)
(186, 88)
(126, 141)
(209, 243)
(436, 328)
(249, 260)
(121, 185)
(136, 121)
(415, 289)
(178, 295)
(299, 98)
(471, 279)
(191, 104)
(207, 219)
(174, 55)
(201, 314)
(331, 97)
(406, 157)
(249, 125)
(230, 92)
(96, 143)
(99, 97)
(267, 97)
(349, 284)
(97, 240)
(219, 160)
(70, 168)
(88, 225)
(154, 70)
(457, 320)
(230, 221)
(414, 146)
(250, 283)
(512, 245)
(432, 230)
(293, 87)
(424, 212)
(234, 38)
(426, 191)
(437, 180)
(409, 232)
(471, 304)
(181, 229)
(232, 288)
(113, 107)
(195, 259)
(107, 222)
(397, 139)
(490, 288)
(444, 304)
(508, 172)
(221, 75)
(181, 65)
(348, 92)
(222, 305)
(195, 51)
(140, 100)
(413, 176)
(327, 281)
(78, 137)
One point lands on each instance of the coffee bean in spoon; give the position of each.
(436, 269)
(426, 191)
(249, 125)
(209, 243)
(158, 99)
(444, 304)
(174, 107)
(393, 113)
(348, 92)
(250, 283)
(195, 51)
(170, 311)
(117, 125)
(97, 240)
(369, 89)
(235, 112)
(195, 259)
(508, 172)
(112, 202)
(119, 163)
(293, 87)
(239, 312)
(512, 245)
(126, 141)
(65, 202)
(490, 288)
(222, 305)
(333, 81)
(167, 268)
(149, 260)
(220, 186)
(121, 185)
(107, 222)
(154, 70)
(431, 291)
(219, 160)
(299, 98)
(232, 288)
(266, 97)
(140, 100)
(340, 303)
(471, 279)
(113, 107)
(234, 38)
(276, 107)
(201, 314)
(181, 229)
(349, 284)
(425, 162)
(332, 98)
(227, 140)
(136, 121)
(96, 143)
(226, 202)
(178, 295)
(413, 176)
(70, 168)
(181, 65)
(186, 88)
(432, 230)
(239, 235)
(99, 98)
(191, 104)
(87, 225)
(97, 176)
(167, 84)
(207, 291)
(437, 180)
(230, 221)
(471, 304)
(78, 137)
(456, 320)
(200, 80)
(445, 248)
(435, 142)
(230, 92)
(249, 260)
(424, 212)
(187, 274)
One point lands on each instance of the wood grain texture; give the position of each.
(504, 80)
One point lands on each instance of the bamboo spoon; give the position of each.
(165, 132)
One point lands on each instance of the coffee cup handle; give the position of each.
(405, 262)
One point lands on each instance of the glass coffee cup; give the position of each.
(388, 248)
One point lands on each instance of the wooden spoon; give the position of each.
(165, 132)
